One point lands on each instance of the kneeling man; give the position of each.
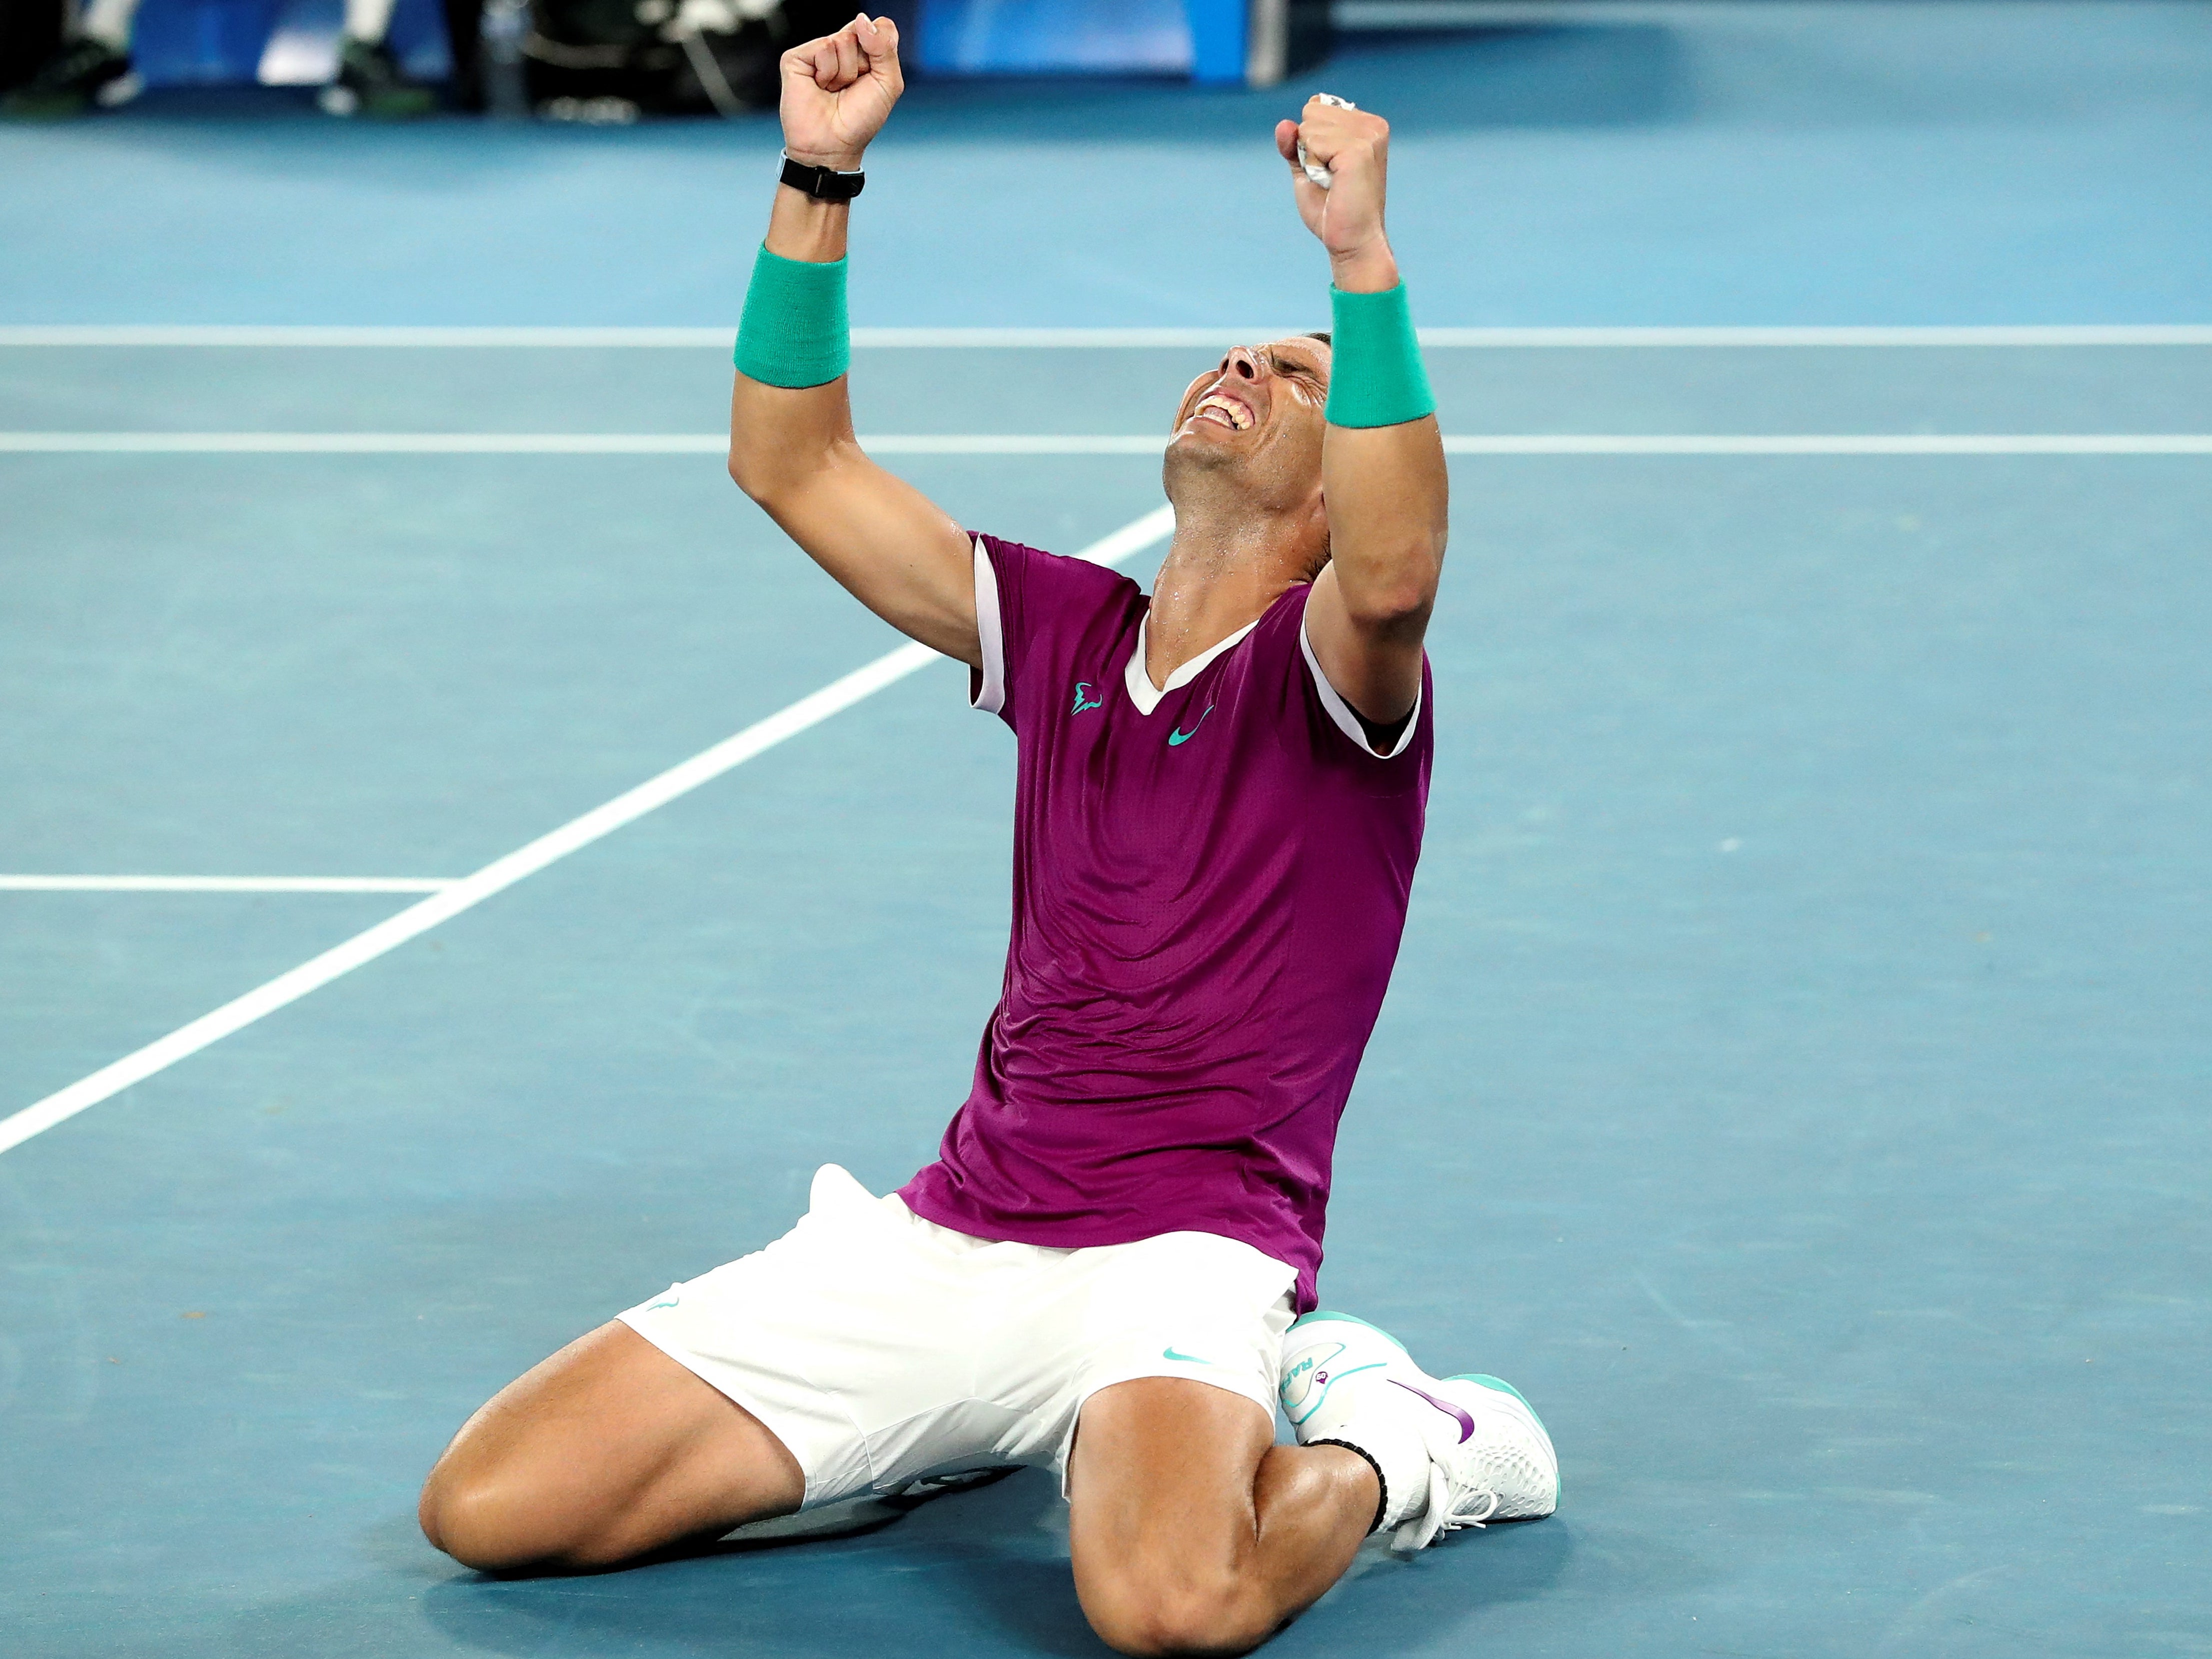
(1109, 1270)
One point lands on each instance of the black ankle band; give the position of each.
(1381, 1486)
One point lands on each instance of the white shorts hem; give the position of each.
(1263, 1398)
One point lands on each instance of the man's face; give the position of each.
(1260, 411)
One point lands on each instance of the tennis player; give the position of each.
(1109, 1270)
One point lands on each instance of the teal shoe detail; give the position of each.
(1499, 1383)
(1502, 1385)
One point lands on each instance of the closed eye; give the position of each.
(1304, 376)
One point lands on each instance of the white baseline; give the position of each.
(1112, 443)
(502, 873)
(225, 884)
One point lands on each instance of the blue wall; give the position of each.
(219, 42)
(1019, 36)
(216, 42)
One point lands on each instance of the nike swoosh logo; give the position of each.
(1177, 738)
(1466, 1423)
(1169, 1353)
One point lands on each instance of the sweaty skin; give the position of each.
(1191, 1531)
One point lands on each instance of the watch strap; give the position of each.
(822, 184)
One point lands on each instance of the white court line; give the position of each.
(1843, 443)
(224, 883)
(502, 873)
(2080, 334)
(1024, 443)
(365, 443)
(546, 443)
(696, 339)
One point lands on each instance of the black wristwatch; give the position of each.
(822, 184)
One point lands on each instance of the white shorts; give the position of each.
(880, 1347)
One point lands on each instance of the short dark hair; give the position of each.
(1320, 334)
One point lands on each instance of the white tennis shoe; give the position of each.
(1486, 1453)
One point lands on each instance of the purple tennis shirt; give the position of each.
(1210, 884)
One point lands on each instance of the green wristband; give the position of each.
(1376, 377)
(793, 331)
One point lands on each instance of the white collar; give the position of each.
(1139, 683)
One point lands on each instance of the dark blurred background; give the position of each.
(639, 51)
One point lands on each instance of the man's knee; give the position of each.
(488, 1518)
(471, 1520)
(1157, 1610)
(605, 1451)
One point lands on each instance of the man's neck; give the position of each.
(1218, 577)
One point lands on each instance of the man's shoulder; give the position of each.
(1034, 563)
(1274, 638)
(1287, 614)
(1035, 586)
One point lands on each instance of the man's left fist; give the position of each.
(1354, 146)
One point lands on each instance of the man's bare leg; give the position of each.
(1193, 1532)
(606, 1451)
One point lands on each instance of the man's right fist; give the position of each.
(838, 91)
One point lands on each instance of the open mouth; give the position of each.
(1227, 411)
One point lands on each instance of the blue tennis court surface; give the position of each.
(1795, 1079)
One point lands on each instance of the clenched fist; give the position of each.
(838, 92)
(1354, 146)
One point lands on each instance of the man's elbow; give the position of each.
(751, 473)
(769, 479)
(1397, 593)
(776, 471)
(1394, 618)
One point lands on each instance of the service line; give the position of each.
(1209, 338)
(502, 873)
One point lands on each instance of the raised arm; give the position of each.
(792, 447)
(1382, 459)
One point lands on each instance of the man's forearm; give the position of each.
(1387, 519)
(789, 417)
(781, 435)
(1386, 488)
(801, 227)
(792, 447)
(1371, 268)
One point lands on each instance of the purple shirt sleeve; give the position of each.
(1030, 608)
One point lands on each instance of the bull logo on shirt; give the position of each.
(1085, 697)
